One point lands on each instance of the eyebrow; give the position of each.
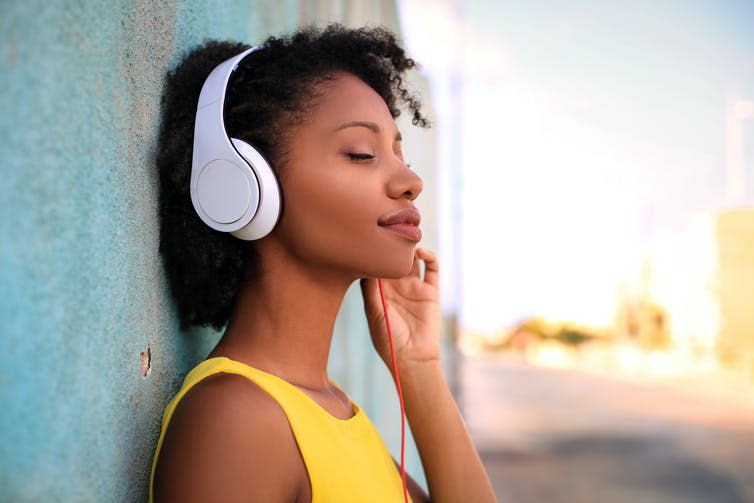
(369, 125)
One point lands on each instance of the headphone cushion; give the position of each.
(268, 211)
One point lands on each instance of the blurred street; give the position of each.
(560, 436)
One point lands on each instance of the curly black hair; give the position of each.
(272, 90)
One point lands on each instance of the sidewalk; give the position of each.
(560, 436)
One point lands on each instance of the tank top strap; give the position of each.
(295, 403)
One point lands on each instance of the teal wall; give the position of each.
(82, 291)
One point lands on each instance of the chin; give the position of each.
(393, 267)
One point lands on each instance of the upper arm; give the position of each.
(228, 437)
(414, 489)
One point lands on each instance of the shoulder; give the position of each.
(228, 435)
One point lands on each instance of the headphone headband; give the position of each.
(212, 97)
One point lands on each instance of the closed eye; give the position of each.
(356, 156)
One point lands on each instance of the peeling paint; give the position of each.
(146, 362)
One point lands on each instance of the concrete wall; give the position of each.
(83, 298)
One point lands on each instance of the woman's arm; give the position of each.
(452, 466)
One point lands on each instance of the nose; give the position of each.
(404, 182)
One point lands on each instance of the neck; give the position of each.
(283, 320)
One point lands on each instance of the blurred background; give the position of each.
(596, 200)
(597, 166)
(589, 186)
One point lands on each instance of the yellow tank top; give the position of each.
(346, 458)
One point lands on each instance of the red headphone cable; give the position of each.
(400, 392)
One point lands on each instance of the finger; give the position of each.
(431, 266)
(415, 267)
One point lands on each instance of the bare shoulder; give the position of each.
(228, 436)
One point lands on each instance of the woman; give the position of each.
(259, 420)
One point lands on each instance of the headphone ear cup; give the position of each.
(224, 191)
(268, 210)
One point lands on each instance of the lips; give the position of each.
(404, 222)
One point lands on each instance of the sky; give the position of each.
(574, 134)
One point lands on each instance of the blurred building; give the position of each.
(735, 285)
(695, 290)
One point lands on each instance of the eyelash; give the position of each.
(355, 156)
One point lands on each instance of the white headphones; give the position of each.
(233, 188)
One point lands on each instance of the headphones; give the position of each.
(233, 187)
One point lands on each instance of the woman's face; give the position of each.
(348, 192)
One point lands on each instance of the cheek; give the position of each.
(333, 221)
(326, 212)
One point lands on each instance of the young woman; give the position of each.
(259, 420)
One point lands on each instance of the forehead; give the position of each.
(347, 98)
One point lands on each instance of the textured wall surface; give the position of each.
(83, 299)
